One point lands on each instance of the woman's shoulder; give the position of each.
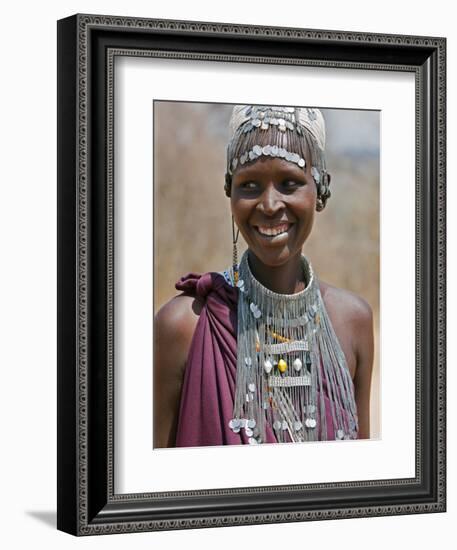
(176, 321)
(346, 305)
(180, 315)
(352, 319)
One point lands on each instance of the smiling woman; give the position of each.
(265, 352)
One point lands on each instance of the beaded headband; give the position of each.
(291, 133)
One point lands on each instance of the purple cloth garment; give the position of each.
(208, 391)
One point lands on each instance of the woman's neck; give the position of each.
(283, 279)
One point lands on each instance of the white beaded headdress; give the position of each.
(292, 133)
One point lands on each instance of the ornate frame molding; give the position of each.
(86, 98)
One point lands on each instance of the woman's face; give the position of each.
(273, 203)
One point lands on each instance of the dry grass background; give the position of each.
(192, 222)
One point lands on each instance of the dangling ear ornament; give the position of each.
(235, 235)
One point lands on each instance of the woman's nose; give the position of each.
(270, 201)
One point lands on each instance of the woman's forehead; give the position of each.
(268, 166)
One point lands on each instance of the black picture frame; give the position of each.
(87, 45)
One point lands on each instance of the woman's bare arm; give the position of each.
(352, 320)
(174, 326)
(363, 327)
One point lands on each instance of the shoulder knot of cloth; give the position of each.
(206, 285)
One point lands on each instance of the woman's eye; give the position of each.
(249, 185)
(292, 184)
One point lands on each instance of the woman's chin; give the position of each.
(272, 256)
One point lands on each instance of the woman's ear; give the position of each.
(228, 185)
(323, 191)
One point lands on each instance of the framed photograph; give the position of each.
(251, 274)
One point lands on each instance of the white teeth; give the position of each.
(273, 231)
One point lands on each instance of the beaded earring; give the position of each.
(235, 235)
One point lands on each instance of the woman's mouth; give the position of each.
(273, 232)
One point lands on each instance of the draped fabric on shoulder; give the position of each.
(209, 380)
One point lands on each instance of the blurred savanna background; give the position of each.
(192, 221)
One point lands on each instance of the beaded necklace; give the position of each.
(291, 370)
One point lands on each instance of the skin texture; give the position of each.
(270, 195)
